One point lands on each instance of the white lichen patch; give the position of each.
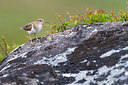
(95, 30)
(111, 72)
(56, 59)
(5, 75)
(84, 26)
(125, 48)
(84, 61)
(126, 73)
(23, 55)
(6, 67)
(38, 47)
(42, 83)
(109, 53)
(89, 27)
(81, 75)
(69, 34)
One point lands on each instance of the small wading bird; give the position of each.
(34, 27)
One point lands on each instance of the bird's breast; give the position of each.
(39, 28)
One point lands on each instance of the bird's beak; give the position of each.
(46, 22)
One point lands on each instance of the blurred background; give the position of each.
(17, 13)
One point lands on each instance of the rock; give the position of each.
(94, 54)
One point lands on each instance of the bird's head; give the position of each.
(42, 21)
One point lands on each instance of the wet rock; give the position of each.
(94, 54)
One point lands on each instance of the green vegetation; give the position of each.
(91, 16)
(5, 48)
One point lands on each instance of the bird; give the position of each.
(34, 27)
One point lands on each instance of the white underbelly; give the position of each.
(35, 31)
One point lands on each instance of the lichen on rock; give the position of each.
(94, 54)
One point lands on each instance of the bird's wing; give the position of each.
(35, 25)
(28, 27)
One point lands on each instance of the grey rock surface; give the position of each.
(94, 54)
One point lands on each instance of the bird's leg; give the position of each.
(30, 37)
(31, 40)
(36, 38)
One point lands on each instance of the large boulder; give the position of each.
(94, 54)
